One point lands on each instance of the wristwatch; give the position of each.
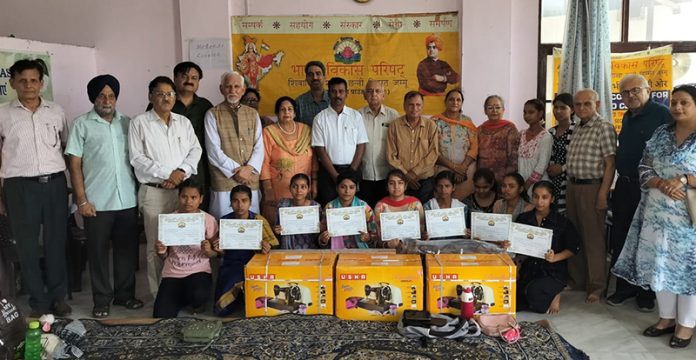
(684, 180)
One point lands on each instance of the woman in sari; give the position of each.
(288, 151)
(458, 143)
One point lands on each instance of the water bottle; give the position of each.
(32, 342)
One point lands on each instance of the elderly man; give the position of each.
(590, 168)
(339, 138)
(105, 195)
(434, 74)
(33, 132)
(412, 147)
(375, 167)
(316, 99)
(638, 124)
(235, 146)
(164, 151)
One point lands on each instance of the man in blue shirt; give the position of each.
(105, 195)
(316, 99)
(638, 124)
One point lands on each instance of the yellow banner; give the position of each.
(654, 64)
(271, 52)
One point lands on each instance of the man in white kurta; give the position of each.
(235, 146)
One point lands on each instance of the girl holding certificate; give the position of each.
(540, 281)
(186, 275)
(485, 193)
(347, 186)
(444, 189)
(231, 273)
(299, 189)
(397, 200)
(514, 201)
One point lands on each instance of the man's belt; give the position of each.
(156, 185)
(44, 178)
(585, 181)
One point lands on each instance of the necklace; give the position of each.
(294, 128)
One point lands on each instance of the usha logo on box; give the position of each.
(353, 277)
(262, 276)
(444, 276)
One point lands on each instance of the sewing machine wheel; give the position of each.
(478, 292)
(276, 290)
(460, 290)
(386, 293)
(368, 290)
(295, 293)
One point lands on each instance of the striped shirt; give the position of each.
(592, 142)
(308, 108)
(32, 142)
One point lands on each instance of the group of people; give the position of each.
(186, 155)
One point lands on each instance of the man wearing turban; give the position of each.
(105, 195)
(434, 74)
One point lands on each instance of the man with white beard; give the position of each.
(234, 144)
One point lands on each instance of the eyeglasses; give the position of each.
(162, 95)
(633, 91)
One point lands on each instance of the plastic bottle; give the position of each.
(32, 342)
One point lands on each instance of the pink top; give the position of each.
(182, 261)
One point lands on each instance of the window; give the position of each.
(635, 25)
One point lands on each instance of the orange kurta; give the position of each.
(283, 159)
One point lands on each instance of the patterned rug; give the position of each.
(310, 337)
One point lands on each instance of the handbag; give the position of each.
(503, 325)
(202, 331)
(691, 204)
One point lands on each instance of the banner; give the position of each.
(654, 64)
(8, 58)
(404, 52)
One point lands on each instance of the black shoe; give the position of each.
(618, 299)
(132, 304)
(653, 331)
(679, 343)
(61, 309)
(645, 305)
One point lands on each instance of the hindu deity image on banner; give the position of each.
(404, 52)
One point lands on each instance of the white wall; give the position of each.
(137, 40)
(71, 68)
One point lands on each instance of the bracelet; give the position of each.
(83, 204)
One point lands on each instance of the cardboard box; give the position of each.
(378, 286)
(299, 282)
(491, 277)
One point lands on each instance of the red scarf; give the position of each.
(495, 124)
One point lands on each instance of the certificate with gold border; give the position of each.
(346, 221)
(445, 222)
(237, 234)
(530, 240)
(299, 220)
(179, 229)
(400, 225)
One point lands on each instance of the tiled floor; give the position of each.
(602, 331)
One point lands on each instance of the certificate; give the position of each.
(400, 225)
(299, 220)
(346, 221)
(445, 222)
(238, 234)
(490, 227)
(181, 229)
(530, 240)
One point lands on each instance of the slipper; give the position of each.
(99, 312)
(131, 304)
(678, 343)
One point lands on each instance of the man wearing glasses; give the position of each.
(434, 74)
(638, 124)
(164, 151)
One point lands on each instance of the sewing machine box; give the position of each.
(378, 286)
(491, 278)
(298, 282)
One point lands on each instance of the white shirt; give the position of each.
(219, 159)
(157, 149)
(339, 134)
(32, 143)
(374, 163)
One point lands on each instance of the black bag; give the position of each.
(12, 327)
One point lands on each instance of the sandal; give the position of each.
(99, 312)
(131, 304)
(679, 343)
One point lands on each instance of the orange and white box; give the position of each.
(378, 286)
(491, 278)
(284, 282)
